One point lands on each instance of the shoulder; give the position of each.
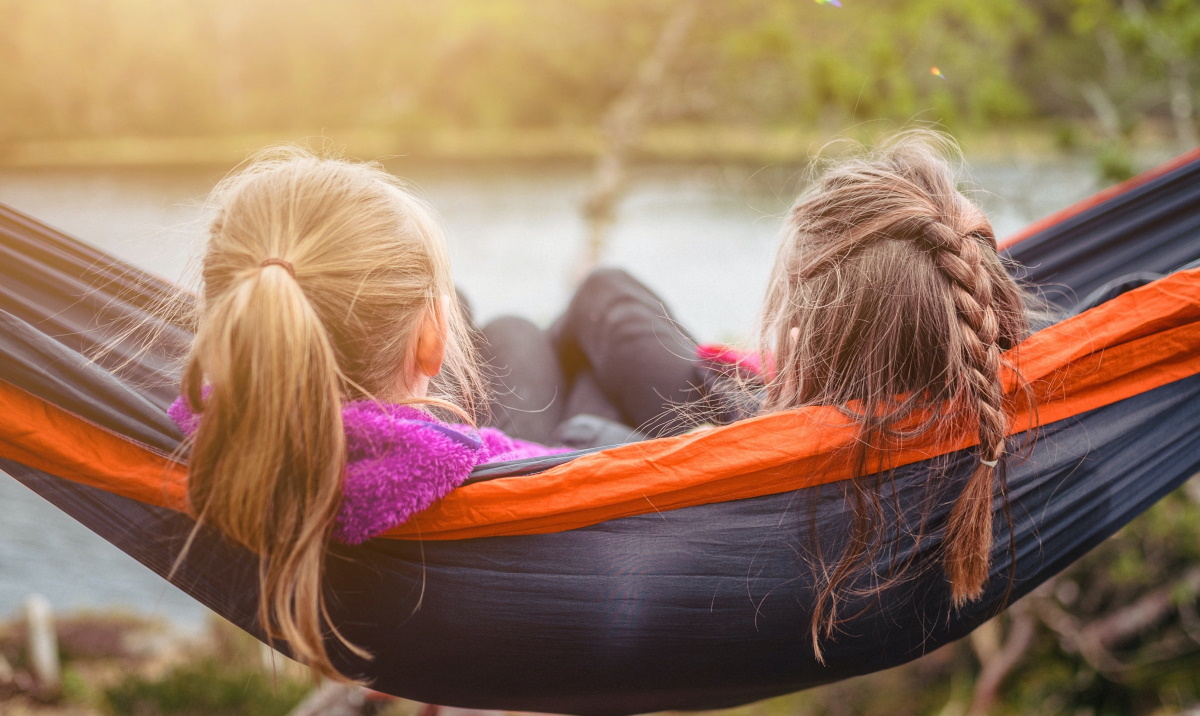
(377, 428)
(181, 413)
(399, 462)
(500, 447)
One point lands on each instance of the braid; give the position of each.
(968, 541)
(888, 299)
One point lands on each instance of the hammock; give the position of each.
(661, 575)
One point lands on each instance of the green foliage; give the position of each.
(226, 676)
(1152, 670)
(1114, 164)
(80, 69)
(1067, 136)
(75, 688)
(209, 686)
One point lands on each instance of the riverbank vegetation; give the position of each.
(182, 81)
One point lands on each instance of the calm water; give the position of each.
(703, 237)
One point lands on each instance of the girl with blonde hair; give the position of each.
(327, 307)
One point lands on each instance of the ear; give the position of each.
(432, 337)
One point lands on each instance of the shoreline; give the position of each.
(681, 144)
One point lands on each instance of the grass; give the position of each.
(204, 687)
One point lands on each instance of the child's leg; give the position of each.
(528, 387)
(585, 397)
(641, 359)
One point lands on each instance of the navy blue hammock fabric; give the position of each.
(701, 607)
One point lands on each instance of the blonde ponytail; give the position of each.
(271, 437)
(316, 276)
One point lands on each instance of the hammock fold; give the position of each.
(672, 574)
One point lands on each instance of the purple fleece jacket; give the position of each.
(399, 461)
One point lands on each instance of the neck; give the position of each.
(408, 389)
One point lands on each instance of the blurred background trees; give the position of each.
(86, 69)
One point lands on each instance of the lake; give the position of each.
(702, 236)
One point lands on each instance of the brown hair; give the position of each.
(316, 276)
(888, 298)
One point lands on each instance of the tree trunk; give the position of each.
(1182, 108)
(43, 646)
(1178, 64)
(623, 123)
(998, 659)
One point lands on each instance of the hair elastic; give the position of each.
(287, 265)
(990, 463)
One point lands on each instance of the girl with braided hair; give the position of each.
(888, 299)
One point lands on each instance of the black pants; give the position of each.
(616, 352)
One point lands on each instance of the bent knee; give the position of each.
(607, 283)
(508, 328)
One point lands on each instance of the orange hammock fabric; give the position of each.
(1086, 362)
